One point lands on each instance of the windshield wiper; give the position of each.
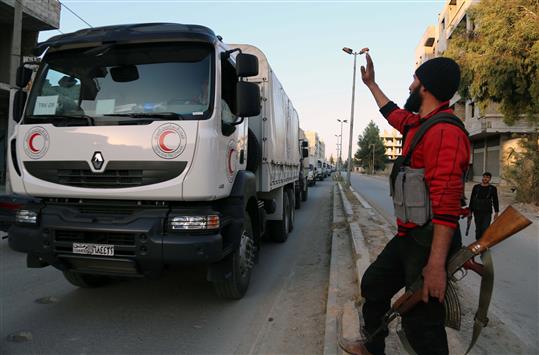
(66, 119)
(150, 115)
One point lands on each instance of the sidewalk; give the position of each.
(373, 233)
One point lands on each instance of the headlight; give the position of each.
(193, 222)
(26, 216)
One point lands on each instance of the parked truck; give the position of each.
(151, 146)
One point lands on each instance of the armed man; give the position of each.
(427, 186)
(484, 197)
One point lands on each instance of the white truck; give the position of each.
(152, 146)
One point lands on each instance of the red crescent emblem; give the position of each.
(31, 142)
(162, 144)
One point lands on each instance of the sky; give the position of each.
(303, 41)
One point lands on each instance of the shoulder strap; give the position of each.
(440, 117)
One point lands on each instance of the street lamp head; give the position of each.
(348, 50)
(364, 50)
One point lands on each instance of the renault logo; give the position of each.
(98, 160)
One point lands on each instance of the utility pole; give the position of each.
(340, 151)
(373, 148)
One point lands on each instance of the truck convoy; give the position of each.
(151, 146)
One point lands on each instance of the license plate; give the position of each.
(93, 249)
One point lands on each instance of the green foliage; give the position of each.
(499, 59)
(366, 141)
(332, 160)
(523, 171)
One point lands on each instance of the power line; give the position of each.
(74, 13)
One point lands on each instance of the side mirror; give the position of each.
(305, 152)
(23, 76)
(247, 99)
(19, 100)
(246, 65)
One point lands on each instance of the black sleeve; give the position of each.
(495, 200)
(388, 108)
(473, 197)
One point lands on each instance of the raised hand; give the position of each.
(367, 74)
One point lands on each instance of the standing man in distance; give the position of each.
(443, 153)
(484, 197)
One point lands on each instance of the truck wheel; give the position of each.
(243, 260)
(278, 230)
(292, 210)
(85, 280)
(305, 194)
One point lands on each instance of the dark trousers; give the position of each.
(399, 265)
(482, 221)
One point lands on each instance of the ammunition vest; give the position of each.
(411, 198)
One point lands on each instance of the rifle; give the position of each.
(507, 224)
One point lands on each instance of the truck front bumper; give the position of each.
(142, 244)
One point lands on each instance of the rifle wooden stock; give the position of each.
(509, 222)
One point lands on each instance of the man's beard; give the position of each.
(414, 101)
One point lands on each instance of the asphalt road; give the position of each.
(283, 311)
(516, 265)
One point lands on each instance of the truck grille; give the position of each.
(118, 174)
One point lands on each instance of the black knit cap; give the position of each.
(440, 76)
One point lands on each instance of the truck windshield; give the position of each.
(123, 84)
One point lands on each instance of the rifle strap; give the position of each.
(404, 342)
(487, 284)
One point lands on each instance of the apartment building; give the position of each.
(492, 140)
(392, 143)
(315, 146)
(37, 15)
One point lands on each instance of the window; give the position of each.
(118, 83)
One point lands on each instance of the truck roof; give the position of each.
(139, 32)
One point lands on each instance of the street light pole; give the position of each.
(373, 148)
(355, 54)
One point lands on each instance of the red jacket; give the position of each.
(444, 153)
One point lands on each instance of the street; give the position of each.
(283, 311)
(515, 295)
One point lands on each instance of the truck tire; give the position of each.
(242, 260)
(278, 230)
(254, 152)
(297, 198)
(292, 210)
(305, 194)
(85, 280)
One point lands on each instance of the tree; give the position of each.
(366, 142)
(499, 58)
(522, 172)
(331, 160)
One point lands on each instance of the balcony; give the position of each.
(493, 123)
(38, 15)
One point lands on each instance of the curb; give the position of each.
(332, 308)
(361, 253)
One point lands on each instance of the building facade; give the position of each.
(492, 140)
(317, 148)
(37, 15)
(392, 143)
